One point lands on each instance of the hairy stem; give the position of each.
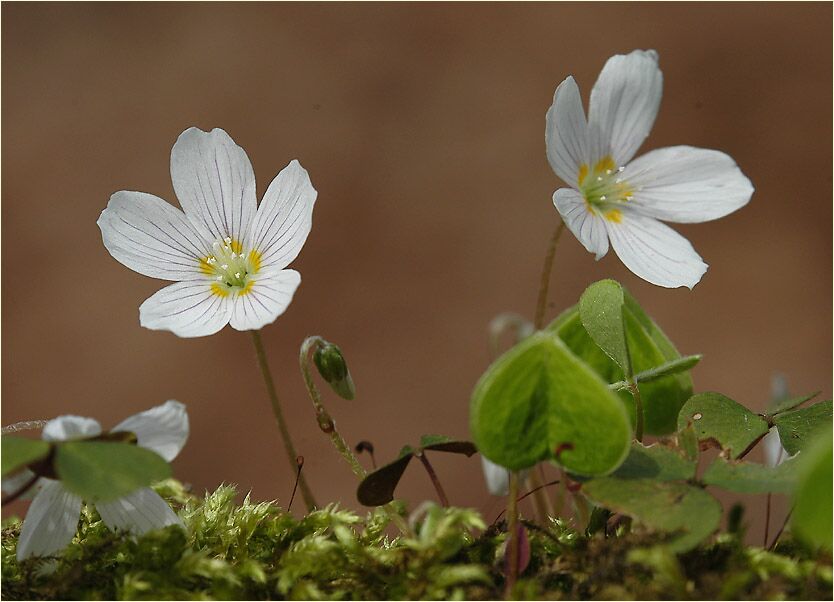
(326, 423)
(547, 268)
(328, 426)
(309, 500)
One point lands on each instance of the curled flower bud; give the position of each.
(333, 368)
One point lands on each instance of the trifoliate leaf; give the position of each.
(798, 426)
(378, 487)
(656, 462)
(673, 507)
(790, 403)
(18, 452)
(539, 397)
(813, 500)
(717, 417)
(442, 443)
(648, 348)
(601, 312)
(748, 477)
(102, 471)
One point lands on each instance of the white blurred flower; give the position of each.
(498, 478)
(613, 198)
(774, 452)
(226, 253)
(52, 518)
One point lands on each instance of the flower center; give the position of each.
(231, 267)
(604, 189)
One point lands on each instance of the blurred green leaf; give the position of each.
(102, 471)
(648, 348)
(717, 417)
(539, 397)
(378, 487)
(601, 312)
(18, 452)
(657, 462)
(798, 426)
(813, 501)
(747, 477)
(673, 507)
(688, 443)
(789, 404)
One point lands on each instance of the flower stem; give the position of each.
(326, 423)
(328, 426)
(444, 501)
(512, 533)
(309, 500)
(541, 306)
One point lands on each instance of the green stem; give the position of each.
(512, 531)
(309, 500)
(541, 306)
(326, 423)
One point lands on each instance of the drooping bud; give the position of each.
(333, 368)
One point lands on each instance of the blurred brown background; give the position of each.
(422, 127)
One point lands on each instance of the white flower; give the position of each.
(774, 452)
(53, 516)
(498, 478)
(226, 253)
(617, 199)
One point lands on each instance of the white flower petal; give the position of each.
(685, 184)
(625, 100)
(163, 429)
(284, 218)
(66, 428)
(50, 523)
(497, 477)
(188, 309)
(655, 252)
(774, 453)
(214, 182)
(268, 298)
(151, 237)
(139, 512)
(587, 227)
(566, 138)
(13, 483)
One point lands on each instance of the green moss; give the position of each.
(258, 551)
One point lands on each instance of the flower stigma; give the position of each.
(604, 189)
(231, 267)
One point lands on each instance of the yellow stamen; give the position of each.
(220, 291)
(583, 173)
